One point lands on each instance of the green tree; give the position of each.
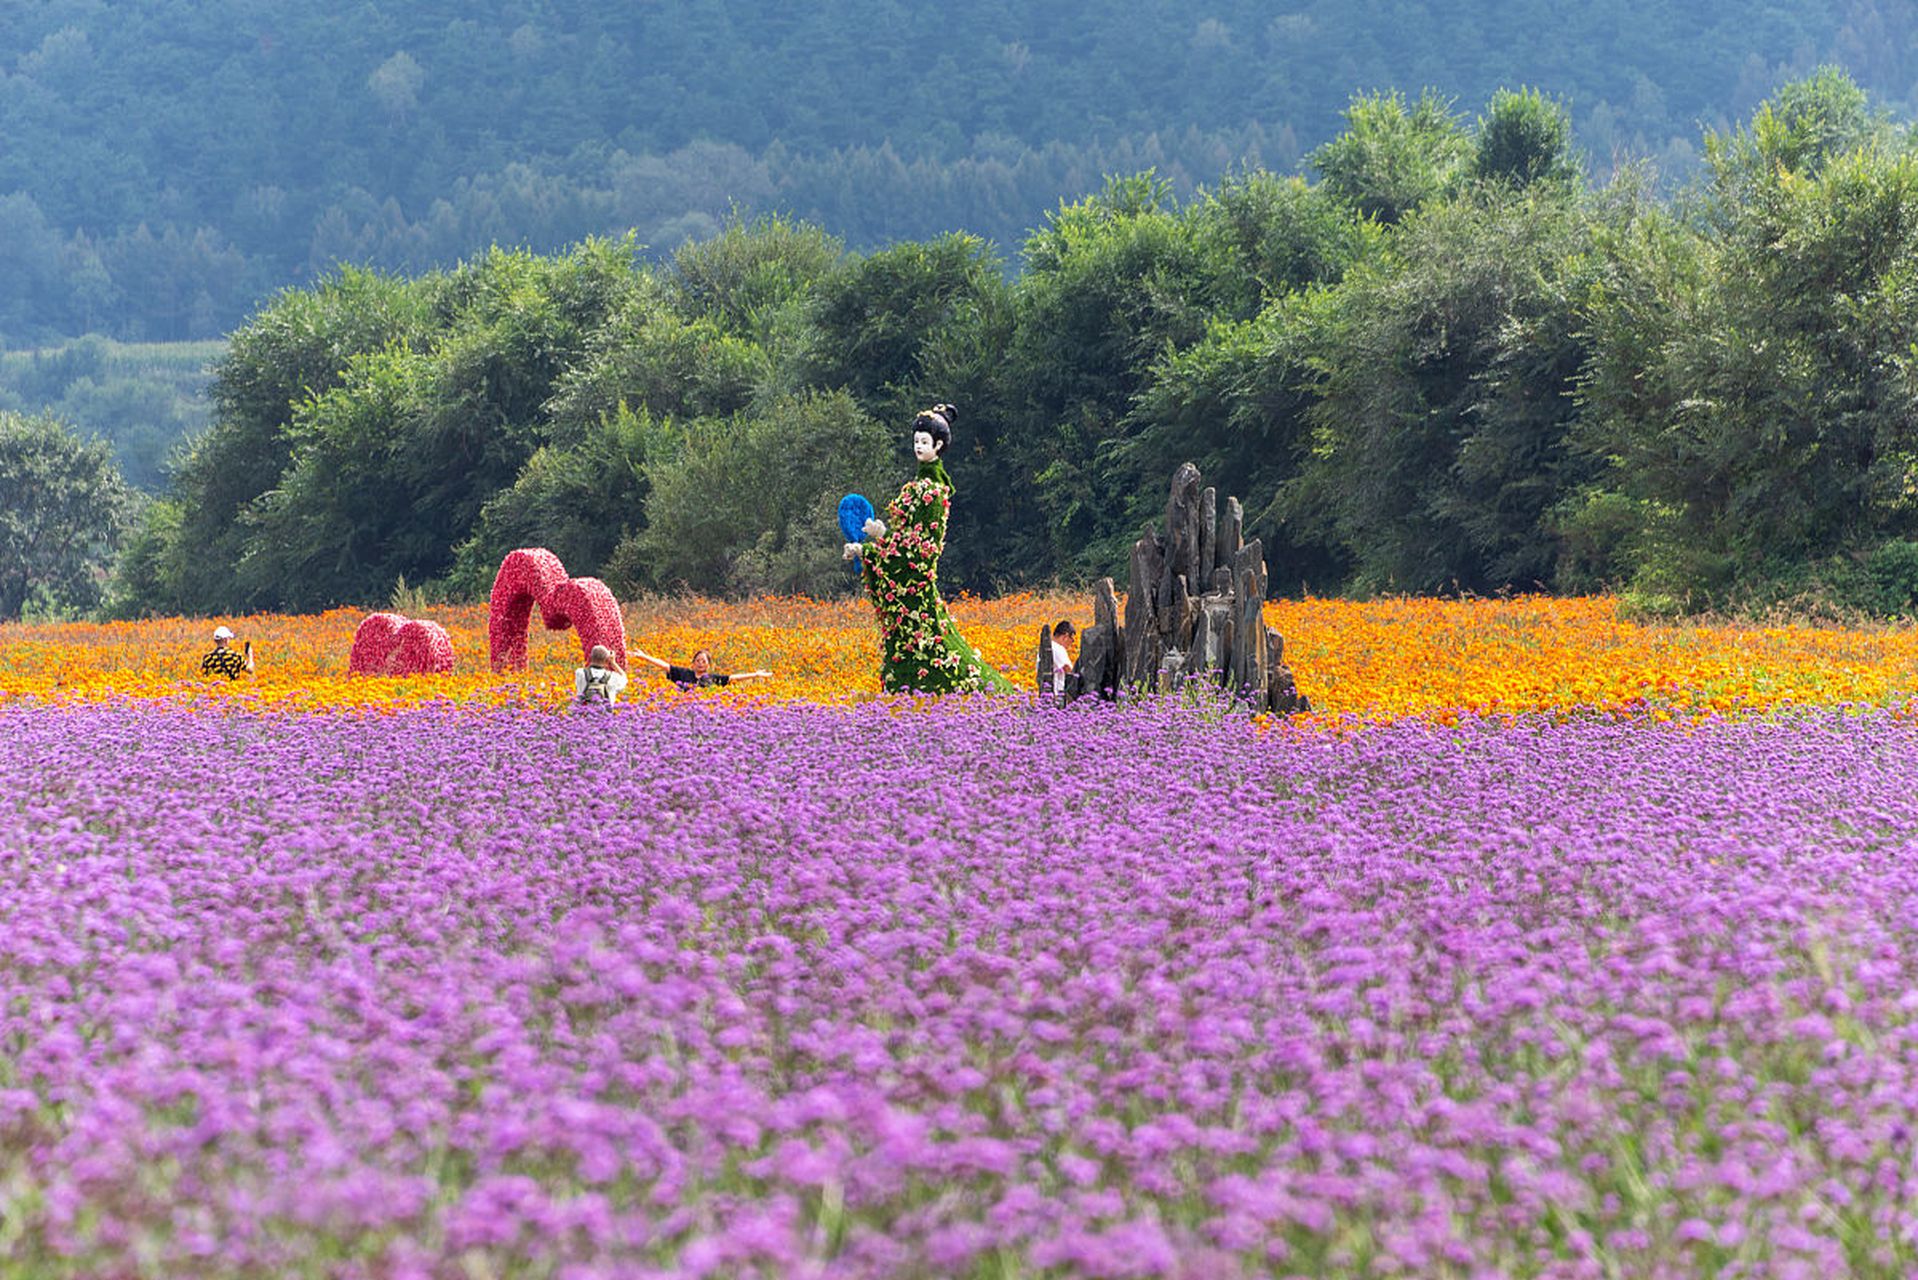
(1389, 160)
(1442, 380)
(1522, 138)
(297, 347)
(650, 357)
(747, 503)
(745, 276)
(63, 512)
(1755, 382)
(873, 318)
(1111, 283)
(1807, 123)
(1286, 234)
(144, 577)
(265, 141)
(393, 465)
(1236, 405)
(579, 500)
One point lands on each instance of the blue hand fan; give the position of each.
(854, 511)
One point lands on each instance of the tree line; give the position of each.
(1444, 362)
(166, 164)
(143, 399)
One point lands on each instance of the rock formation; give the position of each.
(1193, 612)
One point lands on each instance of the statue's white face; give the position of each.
(922, 446)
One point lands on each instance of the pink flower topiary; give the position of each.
(373, 644)
(534, 576)
(424, 649)
(387, 644)
(526, 577)
(589, 604)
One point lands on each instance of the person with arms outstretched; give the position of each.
(700, 674)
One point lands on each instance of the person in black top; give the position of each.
(700, 675)
(222, 661)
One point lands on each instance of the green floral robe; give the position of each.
(921, 648)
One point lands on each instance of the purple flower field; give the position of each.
(809, 991)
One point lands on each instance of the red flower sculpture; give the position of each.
(424, 648)
(387, 644)
(373, 644)
(534, 576)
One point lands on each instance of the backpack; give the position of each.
(599, 688)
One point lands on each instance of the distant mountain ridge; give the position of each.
(164, 164)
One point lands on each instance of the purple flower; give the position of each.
(846, 992)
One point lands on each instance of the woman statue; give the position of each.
(922, 650)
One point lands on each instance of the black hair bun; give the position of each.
(946, 411)
(937, 423)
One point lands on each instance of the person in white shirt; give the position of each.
(600, 682)
(1061, 659)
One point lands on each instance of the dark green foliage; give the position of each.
(1235, 404)
(394, 463)
(650, 357)
(873, 320)
(578, 500)
(746, 503)
(1111, 283)
(146, 576)
(143, 399)
(1234, 401)
(1441, 378)
(742, 278)
(1285, 233)
(1797, 131)
(1893, 569)
(1452, 364)
(297, 347)
(1523, 138)
(1756, 383)
(63, 511)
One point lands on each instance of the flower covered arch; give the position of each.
(534, 576)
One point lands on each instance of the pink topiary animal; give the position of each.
(534, 576)
(387, 644)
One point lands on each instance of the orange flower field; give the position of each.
(1377, 660)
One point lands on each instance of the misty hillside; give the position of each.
(165, 164)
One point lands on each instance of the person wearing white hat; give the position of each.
(223, 661)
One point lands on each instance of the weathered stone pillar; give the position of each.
(1179, 634)
(1282, 691)
(1172, 671)
(1199, 577)
(1181, 540)
(1209, 630)
(1231, 534)
(1148, 563)
(1248, 652)
(1098, 662)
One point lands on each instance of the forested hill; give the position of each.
(165, 164)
